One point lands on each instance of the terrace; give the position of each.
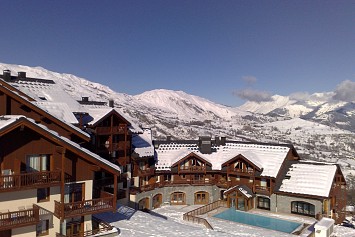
(15, 219)
(13, 182)
(74, 209)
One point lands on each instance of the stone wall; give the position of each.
(214, 193)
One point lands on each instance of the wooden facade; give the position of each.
(37, 161)
(112, 138)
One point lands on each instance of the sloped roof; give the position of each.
(143, 144)
(59, 110)
(311, 178)
(191, 153)
(12, 120)
(33, 105)
(268, 157)
(96, 114)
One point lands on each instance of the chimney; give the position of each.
(205, 145)
(111, 103)
(223, 141)
(6, 75)
(85, 99)
(168, 138)
(21, 75)
(216, 140)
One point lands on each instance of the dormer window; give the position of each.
(42, 98)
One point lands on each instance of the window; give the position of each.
(303, 208)
(167, 177)
(263, 183)
(42, 228)
(142, 165)
(43, 194)
(201, 198)
(37, 163)
(178, 198)
(264, 203)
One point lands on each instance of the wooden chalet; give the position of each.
(111, 136)
(46, 182)
(247, 175)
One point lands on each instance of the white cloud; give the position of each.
(300, 96)
(345, 91)
(249, 79)
(253, 95)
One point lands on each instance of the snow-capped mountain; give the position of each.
(180, 115)
(319, 107)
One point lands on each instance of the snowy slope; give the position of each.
(185, 106)
(185, 116)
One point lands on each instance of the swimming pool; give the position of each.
(258, 220)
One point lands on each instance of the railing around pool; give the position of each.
(192, 216)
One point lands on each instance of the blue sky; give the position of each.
(220, 50)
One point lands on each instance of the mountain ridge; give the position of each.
(321, 128)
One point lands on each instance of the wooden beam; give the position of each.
(114, 193)
(62, 187)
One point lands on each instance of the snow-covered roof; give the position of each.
(96, 114)
(50, 108)
(59, 110)
(324, 224)
(7, 120)
(309, 178)
(269, 158)
(44, 91)
(143, 144)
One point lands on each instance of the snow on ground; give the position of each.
(167, 221)
(300, 126)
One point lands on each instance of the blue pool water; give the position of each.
(258, 220)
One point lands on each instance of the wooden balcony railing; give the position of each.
(120, 146)
(86, 207)
(101, 229)
(192, 169)
(29, 180)
(232, 170)
(27, 217)
(146, 172)
(121, 129)
(262, 189)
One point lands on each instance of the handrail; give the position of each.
(16, 181)
(14, 219)
(193, 215)
(104, 226)
(83, 207)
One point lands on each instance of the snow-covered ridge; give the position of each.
(286, 119)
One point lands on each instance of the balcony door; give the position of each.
(74, 193)
(75, 227)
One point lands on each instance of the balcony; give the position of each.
(224, 184)
(100, 228)
(192, 169)
(262, 189)
(27, 217)
(146, 172)
(9, 183)
(121, 129)
(86, 207)
(236, 171)
(120, 146)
